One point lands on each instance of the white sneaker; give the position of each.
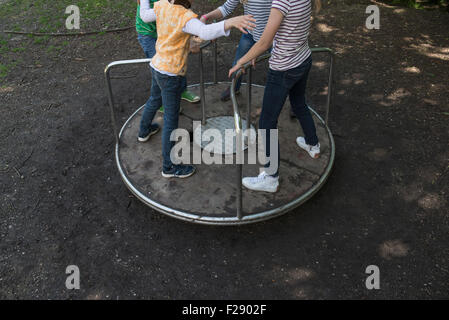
(263, 182)
(314, 151)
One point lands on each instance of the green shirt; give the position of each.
(148, 29)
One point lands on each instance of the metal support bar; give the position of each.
(202, 93)
(329, 88)
(215, 62)
(248, 97)
(331, 78)
(107, 76)
(238, 135)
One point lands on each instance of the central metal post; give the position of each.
(215, 62)
(248, 98)
(202, 93)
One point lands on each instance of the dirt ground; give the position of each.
(62, 201)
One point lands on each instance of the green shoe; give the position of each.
(161, 109)
(190, 97)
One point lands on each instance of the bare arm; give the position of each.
(213, 15)
(221, 12)
(265, 42)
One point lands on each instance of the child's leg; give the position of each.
(183, 84)
(245, 44)
(273, 100)
(298, 102)
(148, 44)
(172, 87)
(189, 95)
(151, 107)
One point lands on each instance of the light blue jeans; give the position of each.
(148, 44)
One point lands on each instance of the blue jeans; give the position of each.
(148, 44)
(245, 44)
(165, 90)
(280, 84)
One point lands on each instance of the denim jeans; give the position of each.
(245, 44)
(280, 84)
(148, 44)
(165, 90)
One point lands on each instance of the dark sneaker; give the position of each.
(178, 171)
(226, 95)
(154, 128)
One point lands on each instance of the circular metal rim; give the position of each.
(226, 221)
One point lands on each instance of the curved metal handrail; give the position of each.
(238, 120)
(110, 66)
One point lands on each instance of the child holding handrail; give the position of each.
(287, 30)
(176, 23)
(260, 9)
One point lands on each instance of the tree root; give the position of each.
(51, 34)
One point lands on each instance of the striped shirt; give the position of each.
(290, 45)
(260, 9)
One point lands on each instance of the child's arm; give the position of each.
(265, 42)
(146, 14)
(215, 30)
(221, 12)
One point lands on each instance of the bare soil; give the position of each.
(386, 202)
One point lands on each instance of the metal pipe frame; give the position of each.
(112, 65)
(202, 91)
(215, 65)
(331, 78)
(240, 218)
(248, 97)
(107, 75)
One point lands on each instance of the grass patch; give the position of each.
(4, 48)
(53, 48)
(18, 49)
(41, 40)
(46, 16)
(6, 68)
(3, 70)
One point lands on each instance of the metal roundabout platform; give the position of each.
(214, 194)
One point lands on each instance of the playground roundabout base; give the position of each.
(210, 195)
